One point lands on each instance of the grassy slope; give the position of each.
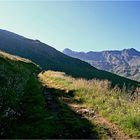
(113, 104)
(18, 82)
(51, 59)
(22, 106)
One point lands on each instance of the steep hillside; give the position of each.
(51, 59)
(124, 63)
(21, 100)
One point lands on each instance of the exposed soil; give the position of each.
(51, 101)
(113, 130)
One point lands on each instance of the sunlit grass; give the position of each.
(113, 104)
(15, 58)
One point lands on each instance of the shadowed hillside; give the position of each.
(51, 59)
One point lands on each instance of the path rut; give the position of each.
(114, 131)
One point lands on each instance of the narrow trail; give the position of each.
(113, 130)
(51, 102)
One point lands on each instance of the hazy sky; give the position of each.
(78, 25)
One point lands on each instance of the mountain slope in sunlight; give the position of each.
(125, 63)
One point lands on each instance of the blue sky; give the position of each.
(78, 25)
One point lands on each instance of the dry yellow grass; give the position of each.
(113, 104)
(13, 57)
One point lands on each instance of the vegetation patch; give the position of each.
(114, 104)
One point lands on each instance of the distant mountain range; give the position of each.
(124, 63)
(50, 59)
